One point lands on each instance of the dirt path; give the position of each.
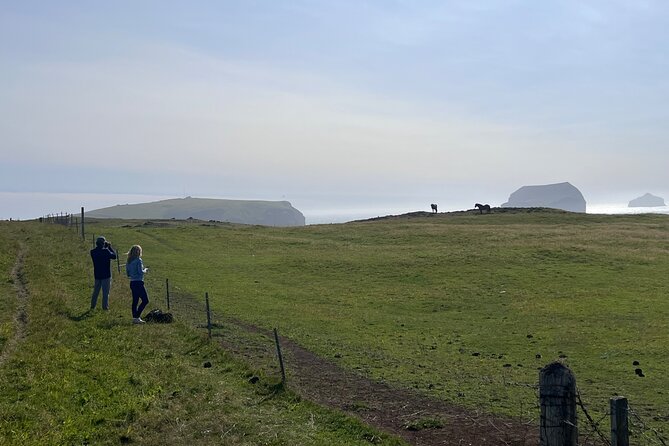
(21, 316)
(392, 410)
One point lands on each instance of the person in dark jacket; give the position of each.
(102, 255)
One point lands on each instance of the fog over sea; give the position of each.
(32, 205)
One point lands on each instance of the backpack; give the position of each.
(158, 317)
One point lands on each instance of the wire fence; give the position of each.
(64, 219)
(641, 430)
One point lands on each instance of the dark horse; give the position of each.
(434, 207)
(483, 207)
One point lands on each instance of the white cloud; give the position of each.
(176, 109)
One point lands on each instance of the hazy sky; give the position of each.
(349, 99)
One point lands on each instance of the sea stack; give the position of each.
(557, 196)
(646, 201)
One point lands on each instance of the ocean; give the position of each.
(622, 208)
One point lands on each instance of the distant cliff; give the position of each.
(250, 212)
(558, 196)
(646, 200)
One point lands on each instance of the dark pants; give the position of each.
(138, 292)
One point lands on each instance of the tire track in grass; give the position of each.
(417, 418)
(21, 315)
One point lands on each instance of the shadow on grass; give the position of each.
(107, 322)
(111, 323)
(270, 390)
(197, 347)
(83, 316)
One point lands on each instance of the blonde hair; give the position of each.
(135, 252)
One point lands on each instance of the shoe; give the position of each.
(138, 320)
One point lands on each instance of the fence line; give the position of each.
(64, 219)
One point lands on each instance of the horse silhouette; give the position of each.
(483, 207)
(434, 207)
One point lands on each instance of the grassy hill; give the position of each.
(461, 307)
(252, 212)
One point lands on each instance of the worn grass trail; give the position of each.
(82, 377)
(16, 326)
(418, 418)
(12, 288)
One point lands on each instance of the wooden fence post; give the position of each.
(83, 235)
(206, 298)
(278, 352)
(619, 425)
(557, 391)
(167, 290)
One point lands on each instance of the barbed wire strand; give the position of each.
(593, 424)
(645, 427)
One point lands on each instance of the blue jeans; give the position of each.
(103, 284)
(138, 293)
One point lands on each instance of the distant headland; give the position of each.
(250, 212)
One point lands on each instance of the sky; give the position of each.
(334, 104)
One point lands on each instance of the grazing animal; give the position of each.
(434, 207)
(483, 207)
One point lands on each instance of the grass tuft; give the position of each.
(424, 423)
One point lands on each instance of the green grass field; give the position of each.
(458, 306)
(461, 307)
(94, 378)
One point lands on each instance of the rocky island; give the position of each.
(646, 200)
(558, 196)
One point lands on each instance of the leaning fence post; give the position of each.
(278, 351)
(557, 392)
(167, 290)
(83, 235)
(206, 298)
(619, 426)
